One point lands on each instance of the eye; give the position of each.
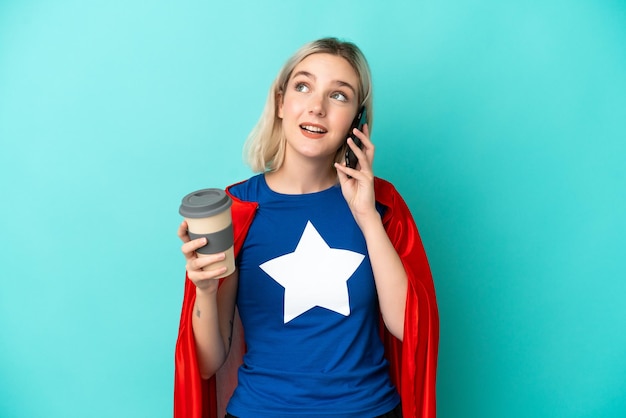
(301, 87)
(339, 96)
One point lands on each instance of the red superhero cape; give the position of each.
(413, 361)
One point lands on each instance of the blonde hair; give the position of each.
(265, 147)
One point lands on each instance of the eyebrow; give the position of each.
(340, 82)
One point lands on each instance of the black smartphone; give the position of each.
(359, 121)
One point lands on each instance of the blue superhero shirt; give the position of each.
(308, 304)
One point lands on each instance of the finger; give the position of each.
(368, 145)
(343, 172)
(205, 261)
(366, 130)
(190, 247)
(199, 276)
(362, 157)
(183, 234)
(364, 135)
(343, 177)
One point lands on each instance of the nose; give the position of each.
(317, 105)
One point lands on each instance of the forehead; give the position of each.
(329, 67)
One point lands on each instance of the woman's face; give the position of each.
(318, 106)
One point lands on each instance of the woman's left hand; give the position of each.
(358, 188)
(389, 274)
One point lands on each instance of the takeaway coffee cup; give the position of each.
(207, 213)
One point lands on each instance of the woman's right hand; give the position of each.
(199, 269)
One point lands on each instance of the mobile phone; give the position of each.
(359, 121)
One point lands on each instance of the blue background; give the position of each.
(502, 124)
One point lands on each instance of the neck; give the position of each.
(302, 178)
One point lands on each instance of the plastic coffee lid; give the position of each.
(204, 203)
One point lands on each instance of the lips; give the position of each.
(313, 130)
(316, 129)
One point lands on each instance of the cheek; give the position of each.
(293, 105)
(346, 121)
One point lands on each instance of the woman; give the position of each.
(328, 257)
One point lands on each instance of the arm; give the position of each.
(214, 306)
(213, 324)
(389, 274)
(357, 186)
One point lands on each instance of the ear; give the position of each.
(279, 104)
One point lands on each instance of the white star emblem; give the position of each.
(314, 275)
